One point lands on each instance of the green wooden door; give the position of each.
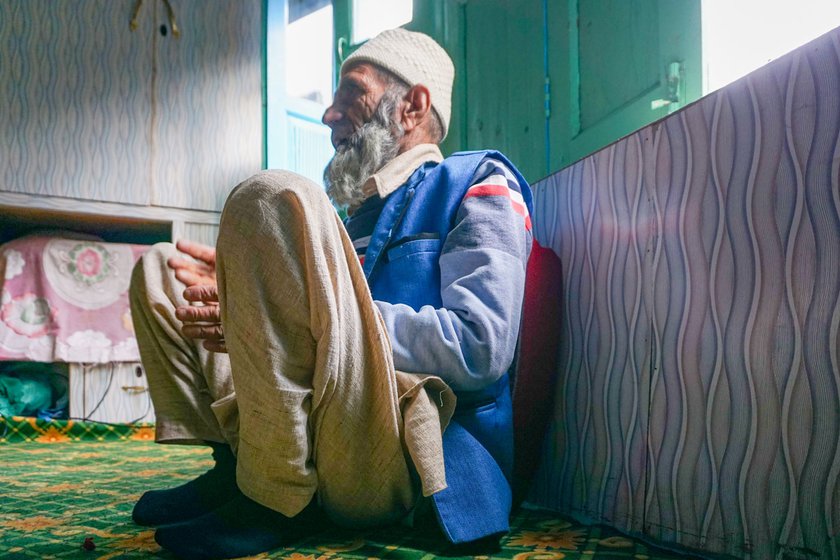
(503, 82)
(549, 81)
(616, 66)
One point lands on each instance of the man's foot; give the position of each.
(241, 527)
(193, 499)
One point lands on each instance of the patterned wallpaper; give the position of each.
(78, 93)
(98, 112)
(699, 392)
(208, 128)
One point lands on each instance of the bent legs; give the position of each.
(191, 388)
(192, 392)
(315, 382)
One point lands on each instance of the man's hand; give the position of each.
(201, 271)
(202, 320)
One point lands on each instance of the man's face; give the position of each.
(366, 132)
(359, 92)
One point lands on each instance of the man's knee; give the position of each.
(152, 261)
(154, 258)
(273, 189)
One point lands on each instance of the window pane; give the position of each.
(739, 37)
(372, 16)
(309, 37)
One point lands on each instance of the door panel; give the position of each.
(618, 66)
(207, 111)
(504, 81)
(75, 91)
(621, 45)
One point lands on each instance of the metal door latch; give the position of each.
(674, 78)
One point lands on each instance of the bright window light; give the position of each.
(309, 56)
(372, 16)
(742, 35)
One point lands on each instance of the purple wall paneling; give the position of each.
(699, 400)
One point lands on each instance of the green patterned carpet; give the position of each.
(55, 496)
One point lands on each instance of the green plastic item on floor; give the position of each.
(31, 389)
(23, 396)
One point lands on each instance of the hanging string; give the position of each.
(171, 13)
(134, 14)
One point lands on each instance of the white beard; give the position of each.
(364, 153)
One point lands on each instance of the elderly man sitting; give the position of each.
(322, 361)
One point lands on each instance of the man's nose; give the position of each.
(331, 115)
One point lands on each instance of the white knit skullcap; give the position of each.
(415, 58)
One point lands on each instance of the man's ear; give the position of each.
(417, 108)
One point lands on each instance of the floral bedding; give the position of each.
(66, 300)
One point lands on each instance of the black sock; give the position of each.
(193, 499)
(485, 546)
(241, 527)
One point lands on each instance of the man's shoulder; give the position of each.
(461, 170)
(486, 163)
(474, 161)
(477, 155)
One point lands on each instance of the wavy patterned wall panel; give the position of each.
(699, 400)
(98, 112)
(75, 93)
(601, 226)
(201, 233)
(208, 103)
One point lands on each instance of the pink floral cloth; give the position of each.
(66, 300)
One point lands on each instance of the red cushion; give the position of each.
(536, 368)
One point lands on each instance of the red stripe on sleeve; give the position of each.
(500, 190)
(487, 190)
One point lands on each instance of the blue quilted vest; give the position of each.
(401, 265)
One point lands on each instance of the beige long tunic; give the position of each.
(309, 398)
